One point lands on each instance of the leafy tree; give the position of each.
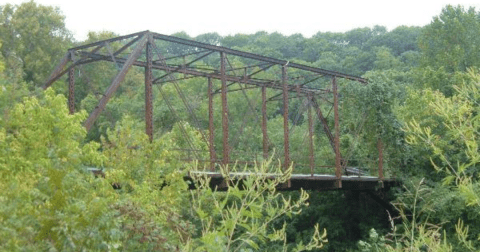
(35, 36)
(399, 40)
(53, 203)
(361, 37)
(451, 40)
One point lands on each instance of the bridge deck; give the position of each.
(305, 181)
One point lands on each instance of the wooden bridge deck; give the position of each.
(304, 181)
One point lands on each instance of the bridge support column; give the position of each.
(148, 91)
(264, 122)
(285, 120)
(285, 117)
(226, 148)
(210, 125)
(338, 158)
(71, 90)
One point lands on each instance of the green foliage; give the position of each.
(374, 242)
(242, 218)
(35, 37)
(451, 40)
(455, 149)
(52, 203)
(42, 180)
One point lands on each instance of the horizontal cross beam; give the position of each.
(270, 84)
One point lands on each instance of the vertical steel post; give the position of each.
(148, 92)
(210, 125)
(285, 117)
(310, 134)
(338, 165)
(264, 122)
(380, 159)
(71, 90)
(226, 148)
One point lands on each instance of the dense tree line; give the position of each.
(421, 100)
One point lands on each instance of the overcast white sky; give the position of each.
(245, 16)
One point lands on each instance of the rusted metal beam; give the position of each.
(245, 77)
(57, 73)
(71, 90)
(244, 68)
(226, 147)
(239, 89)
(115, 83)
(181, 68)
(299, 85)
(123, 48)
(174, 80)
(148, 90)
(183, 55)
(285, 118)
(211, 126)
(322, 119)
(338, 158)
(109, 40)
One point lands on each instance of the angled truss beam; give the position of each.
(57, 73)
(108, 40)
(180, 68)
(323, 120)
(183, 55)
(115, 83)
(126, 46)
(248, 76)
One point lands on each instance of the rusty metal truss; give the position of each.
(168, 59)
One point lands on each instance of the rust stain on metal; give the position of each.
(226, 147)
(148, 91)
(211, 126)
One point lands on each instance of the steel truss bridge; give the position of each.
(265, 83)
